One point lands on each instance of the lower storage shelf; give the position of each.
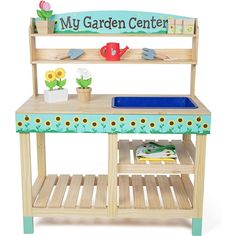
(136, 195)
(128, 163)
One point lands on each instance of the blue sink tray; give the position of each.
(153, 102)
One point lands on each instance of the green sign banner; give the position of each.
(113, 22)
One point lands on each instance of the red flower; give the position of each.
(41, 4)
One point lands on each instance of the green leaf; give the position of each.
(47, 14)
(51, 84)
(84, 83)
(39, 13)
(63, 82)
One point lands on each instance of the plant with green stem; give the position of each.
(45, 11)
(55, 78)
(85, 78)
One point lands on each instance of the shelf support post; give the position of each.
(26, 182)
(41, 154)
(32, 42)
(199, 182)
(194, 58)
(112, 175)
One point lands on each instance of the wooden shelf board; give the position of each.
(101, 104)
(129, 164)
(114, 35)
(53, 195)
(92, 56)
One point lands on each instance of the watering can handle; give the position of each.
(103, 51)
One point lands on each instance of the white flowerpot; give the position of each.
(56, 95)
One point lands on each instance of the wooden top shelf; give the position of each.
(100, 104)
(92, 56)
(114, 35)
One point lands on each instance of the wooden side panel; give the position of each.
(124, 152)
(153, 198)
(167, 197)
(181, 195)
(59, 192)
(73, 193)
(124, 194)
(45, 192)
(137, 183)
(87, 194)
(101, 194)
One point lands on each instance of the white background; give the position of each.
(68, 153)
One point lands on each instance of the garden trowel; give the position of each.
(72, 54)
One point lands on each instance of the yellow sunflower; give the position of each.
(58, 118)
(162, 119)
(48, 123)
(76, 119)
(94, 124)
(205, 126)
(67, 123)
(50, 75)
(152, 125)
(143, 120)
(19, 123)
(27, 118)
(199, 119)
(189, 123)
(103, 119)
(37, 121)
(171, 123)
(85, 120)
(60, 73)
(180, 120)
(113, 123)
(122, 118)
(133, 123)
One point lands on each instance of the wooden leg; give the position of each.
(186, 137)
(199, 175)
(41, 154)
(112, 175)
(26, 182)
(28, 225)
(192, 84)
(196, 226)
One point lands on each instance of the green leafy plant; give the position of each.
(55, 78)
(85, 78)
(84, 83)
(45, 11)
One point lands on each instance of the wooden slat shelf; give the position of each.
(115, 35)
(89, 192)
(92, 56)
(129, 164)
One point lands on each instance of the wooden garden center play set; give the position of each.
(167, 186)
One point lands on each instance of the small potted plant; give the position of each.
(44, 25)
(84, 79)
(55, 79)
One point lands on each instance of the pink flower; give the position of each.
(46, 6)
(41, 4)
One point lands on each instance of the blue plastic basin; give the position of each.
(153, 102)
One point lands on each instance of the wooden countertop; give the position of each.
(101, 104)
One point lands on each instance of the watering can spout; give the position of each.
(123, 51)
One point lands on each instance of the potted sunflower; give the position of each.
(55, 79)
(44, 25)
(84, 79)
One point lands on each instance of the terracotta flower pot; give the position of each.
(84, 95)
(45, 26)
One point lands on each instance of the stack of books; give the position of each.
(155, 152)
